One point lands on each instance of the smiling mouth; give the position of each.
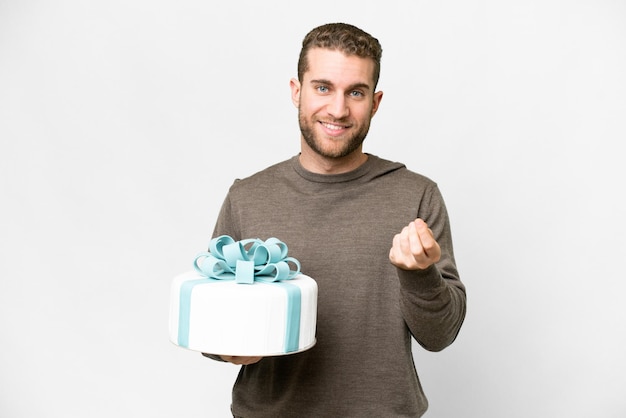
(334, 126)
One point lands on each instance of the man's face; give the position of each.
(336, 102)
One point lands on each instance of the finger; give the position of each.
(395, 253)
(392, 250)
(415, 241)
(430, 246)
(241, 360)
(404, 241)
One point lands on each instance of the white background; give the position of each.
(123, 123)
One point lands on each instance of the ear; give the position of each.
(378, 96)
(294, 84)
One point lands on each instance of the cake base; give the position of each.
(259, 319)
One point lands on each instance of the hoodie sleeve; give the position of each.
(433, 301)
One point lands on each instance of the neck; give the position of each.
(319, 164)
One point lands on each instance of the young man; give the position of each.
(374, 235)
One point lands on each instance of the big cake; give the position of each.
(244, 298)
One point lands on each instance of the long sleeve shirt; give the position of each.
(340, 227)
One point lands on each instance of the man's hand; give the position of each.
(241, 360)
(415, 247)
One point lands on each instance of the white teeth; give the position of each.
(332, 127)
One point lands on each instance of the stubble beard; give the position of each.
(352, 144)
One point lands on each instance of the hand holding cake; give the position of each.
(241, 360)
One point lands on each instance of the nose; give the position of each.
(338, 106)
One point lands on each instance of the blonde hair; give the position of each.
(341, 37)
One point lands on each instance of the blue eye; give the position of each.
(322, 89)
(356, 93)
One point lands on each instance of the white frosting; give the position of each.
(242, 319)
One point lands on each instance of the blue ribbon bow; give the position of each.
(247, 260)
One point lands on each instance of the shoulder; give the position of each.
(263, 178)
(397, 171)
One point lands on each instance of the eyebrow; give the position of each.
(351, 87)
